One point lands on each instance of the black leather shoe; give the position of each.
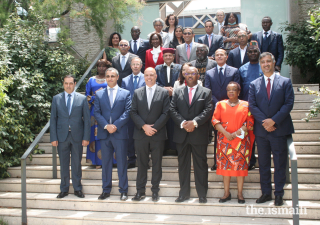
(139, 196)
(222, 200)
(182, 198)
(104, 195)
(155, 196)
(124, 196)
(251, 167)
(264, 198)
(62, 194)
(278, 201)
(241, 201)
(131, 165)
(214, 167)
(202, 200)
(79, 194)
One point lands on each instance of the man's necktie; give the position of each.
(209, 40)
(190, 95)
(111, 96)
(269, 88)
(221, 75)
(135, 82)
(265, 43)
(69, 103)
(135, 50)
(123, 62)
(149, 97)
(188, 52)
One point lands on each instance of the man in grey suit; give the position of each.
(70, 131)
(203, 63)
(122, 61)
(149, 112)
(186, 52)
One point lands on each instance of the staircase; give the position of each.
(45, 208)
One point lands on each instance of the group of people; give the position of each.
(149, 99)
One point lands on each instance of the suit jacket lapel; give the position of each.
(186, 94)
(239, 53)
(274, 86)
(172, 75)
(193, 50)
(107, 97)
(155, 96)
(196, 95)
(144, 96)
(117, 97)
(141, 80)
(259, 37)
(64, 103)
(264, 89)
(75, 98)
(206, 41)
(128, 62)
(225, 74)
(272, 35)
(216, 75)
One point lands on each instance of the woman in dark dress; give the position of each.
(177, 38)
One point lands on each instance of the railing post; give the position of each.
(24, 191)
(54, 162)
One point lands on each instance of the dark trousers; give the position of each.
(131, 150)
(170, 132)
(120, 148)
(278, 147)
(144, 146)
(64, 150)
(199, 155)
(253, 158)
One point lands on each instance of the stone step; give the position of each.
(305, 175)
(300, 114)
(306, 135)
(304, 161)
(167, 188)
(58, 217)
(303, 125)
(302, 104)
(166, 205)
(313, 87)
(299, 96)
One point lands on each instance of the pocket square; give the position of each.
(201, 99)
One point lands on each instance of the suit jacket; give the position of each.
(275, 45)
(234, 58)
(216, 29)
(116, 63)
(181, 53)
(149, 59)
(143, 47)
(200, 110)
(79, 118)
(218, 87)
(162, 79)
(127, 83)
(216, 43)
(158, 114)
(119, 113)
(211, 63)
(278, 108)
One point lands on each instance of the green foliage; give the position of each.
(3, 222)
(314, 26)
(31, 73)
(302, 50)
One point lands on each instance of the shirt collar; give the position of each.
(66, 94)
(271, 77)
(194, 87)
(210, 34)
(245, 48)
(269, 32)
(224, 67)
(164, 64)
(138, 75)
(153, 87)
(114, 88)
(138, 40)
(222, 23)
(156, 50)
(126, 55)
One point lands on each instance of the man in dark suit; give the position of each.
(191, 110)
(217, 80)
(270, 41)
(203, 63)
(238, 57)
(138, 46)
(213, 41)
(122, 61)
(149, 112)
(271, 100)
(131, 83)
(70, 131)
(111, 110)
(167, 74)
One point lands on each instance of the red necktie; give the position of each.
(269, 88)
(188, 52)
(190, 95)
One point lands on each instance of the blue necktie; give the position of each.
(69, 103)
(221, 75)
(135, 47)
(135, 82)
(123, 62)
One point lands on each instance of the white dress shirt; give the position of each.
(115, 89)
(126, 59)
(271, 81)
(269, 32)
(150, 95)
(138, 44)
(155, 54)
(168, 70)
(224, 68)
(243, 52)
(66, 98)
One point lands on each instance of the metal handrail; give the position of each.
(294, 179)
(54, 151)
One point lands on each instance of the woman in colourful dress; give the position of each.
(234, 123)
(154, 56)
(95, 84)
(230, 31)
(112, 49)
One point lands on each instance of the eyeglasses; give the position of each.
(113, 76)
(135, 64)
(253, 51)
(123, 45)
(187, 33)
(242, 36)
(191, 74)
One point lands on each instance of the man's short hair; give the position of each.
(220, 10)
(267, 17)
(158, 20)
(193, 67)
(266, 54)
(220, 49)
(209, 21)
(123, 40)
(203, 46)
(113, 70)
(70, 76)
(134, 59)
(190, 28)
